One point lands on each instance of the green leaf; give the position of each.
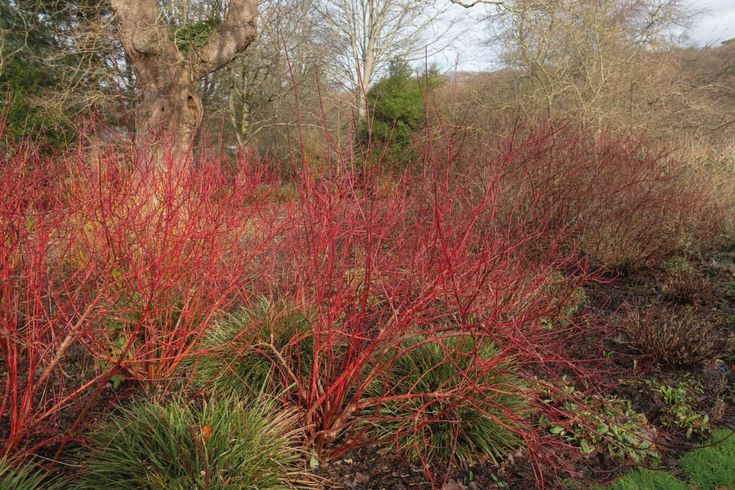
(116, 381)
(313, 462)
(556, 430)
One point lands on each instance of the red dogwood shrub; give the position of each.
(622, 204)
(376, 277)
(112, 268)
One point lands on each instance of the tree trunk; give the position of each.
(361, 104)
(169, 114)
(169, 110)
(368, 68)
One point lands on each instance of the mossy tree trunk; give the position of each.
(169, 110)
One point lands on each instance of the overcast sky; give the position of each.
(715, 23)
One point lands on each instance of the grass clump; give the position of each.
(257, 349)
(220, 443)
(712, 466)
(450, 398)
(26, 477)
(684, 283)
(644, 479)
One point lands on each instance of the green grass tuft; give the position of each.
(26, 477)
(257, 349)
(712, 466)
(437, 422)
(644, 479)
(220, 444)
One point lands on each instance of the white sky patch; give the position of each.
(471, 50)
(715, 24)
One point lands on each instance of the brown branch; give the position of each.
(234, 35)
(470, 4)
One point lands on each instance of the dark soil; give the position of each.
(373, 469)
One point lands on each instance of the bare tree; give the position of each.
(252, 98)
(167, 71)
(261, 81)
(367, 34)
(600, 60)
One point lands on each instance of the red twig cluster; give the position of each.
(113, 266)
(116, 265)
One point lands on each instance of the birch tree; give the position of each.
(367, 34)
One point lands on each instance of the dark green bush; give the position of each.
(396, 105)
(220, 444)
(24, 77)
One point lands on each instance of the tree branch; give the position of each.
(234, 35)
(470, 4)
